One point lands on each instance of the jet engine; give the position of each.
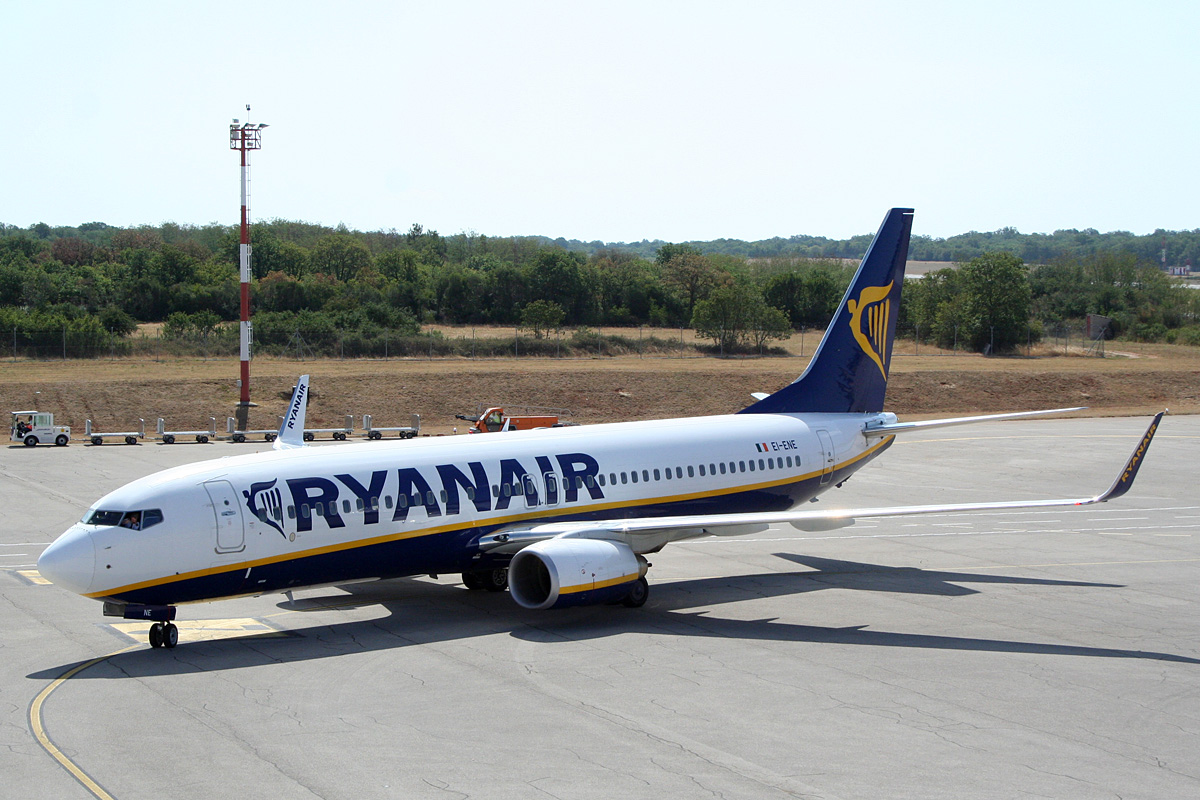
(559, 573)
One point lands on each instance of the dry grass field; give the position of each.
(114, 394)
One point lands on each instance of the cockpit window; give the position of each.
(134, 520)
(101, 517)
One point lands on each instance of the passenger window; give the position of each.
(506, 490)
(402, 501)
(471, 493)
(679, 472)
(387, 501)
(722, 467)
(701, 470)
(374, 503)
(667, 471)
(624, 478)
(319, 508)
(760, 464)
(712, 469)
(590, 481)
(579, 481)
(358, 504)
(346, 505)
(600, 477)
(646, 475)
(691, 471)
(305, 512)
(291, 512)
(770, 463)
(443, 495)
(752, 466)
(633, 476)
(612, 478)
(429, 498)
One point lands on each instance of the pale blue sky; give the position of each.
(612, 121)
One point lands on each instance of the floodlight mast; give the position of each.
(244, 138)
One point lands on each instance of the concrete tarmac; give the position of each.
(1049, 653)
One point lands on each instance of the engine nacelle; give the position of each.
(559, 573)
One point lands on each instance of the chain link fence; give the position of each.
(303, 344)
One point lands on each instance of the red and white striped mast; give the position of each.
(243, 138)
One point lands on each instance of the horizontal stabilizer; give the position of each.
(888, 429)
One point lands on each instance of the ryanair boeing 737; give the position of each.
(561, 517)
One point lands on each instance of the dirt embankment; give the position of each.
(114, 395)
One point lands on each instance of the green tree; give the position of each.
(542, 316)
(340, 255)
(724, 316)
(998, 301)
(692, 275)
(766, 323)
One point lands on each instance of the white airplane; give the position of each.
(561, 517)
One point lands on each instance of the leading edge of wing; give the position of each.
(686, 527)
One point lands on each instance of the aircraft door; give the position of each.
(529, 486)
(231, 533)
(551, 481)
(828, 457)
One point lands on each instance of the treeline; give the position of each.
(375, 286)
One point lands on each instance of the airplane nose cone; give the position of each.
(70, 562)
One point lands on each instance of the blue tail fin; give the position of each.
(848, 373)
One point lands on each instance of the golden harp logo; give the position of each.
(869, 317)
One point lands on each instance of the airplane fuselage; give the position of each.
(272, 522)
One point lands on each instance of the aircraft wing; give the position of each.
(648, 534)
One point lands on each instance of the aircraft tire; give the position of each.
(170, 635)
(472, 580)
(495, 580)
(639, 593)
(156, 635)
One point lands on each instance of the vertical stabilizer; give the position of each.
(291, 430)
(849, 371)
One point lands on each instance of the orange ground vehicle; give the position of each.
(494, 420)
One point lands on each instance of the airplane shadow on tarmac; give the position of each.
(420, 612)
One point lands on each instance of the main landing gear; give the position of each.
(164, 634)
(494, 580)
(639, 593)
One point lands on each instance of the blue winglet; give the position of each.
(1124, 481)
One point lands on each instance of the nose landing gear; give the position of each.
(164, 634)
